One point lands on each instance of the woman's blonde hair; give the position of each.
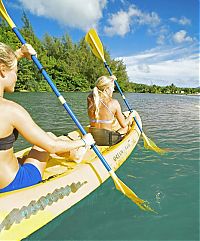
(102, 84)
(7, 55)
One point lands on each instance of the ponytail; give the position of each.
(102, 84)
(96, 102)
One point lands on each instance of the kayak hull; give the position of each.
(64, 184)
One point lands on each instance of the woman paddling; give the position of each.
(102, 112)
(15, 119)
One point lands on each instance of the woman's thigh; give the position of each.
(37, 157)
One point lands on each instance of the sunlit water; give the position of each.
(170, 182)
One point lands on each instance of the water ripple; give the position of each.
(169, 182)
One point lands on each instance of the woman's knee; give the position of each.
(38, 157)
(38, 154)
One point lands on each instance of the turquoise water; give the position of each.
(170, 182)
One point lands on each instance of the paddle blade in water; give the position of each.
(95, 43)
(129, 193)
(149, 144)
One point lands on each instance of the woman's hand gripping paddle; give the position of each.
(97, 48)
(118, 183)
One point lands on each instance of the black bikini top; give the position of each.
(7, 142)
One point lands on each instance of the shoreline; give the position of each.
(27, 91)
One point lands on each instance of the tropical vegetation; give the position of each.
(72, 66)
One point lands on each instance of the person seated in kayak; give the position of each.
(15, 119)
(102, 112)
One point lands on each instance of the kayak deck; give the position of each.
(64, 184)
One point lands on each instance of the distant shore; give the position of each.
(194, 94)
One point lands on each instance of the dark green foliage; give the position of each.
(72, 66)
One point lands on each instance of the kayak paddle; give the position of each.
(118, 183)
(97, 48)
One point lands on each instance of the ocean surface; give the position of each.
(170, 183)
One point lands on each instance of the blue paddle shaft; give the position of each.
(123, 96)
(67, 108)
(118, 87)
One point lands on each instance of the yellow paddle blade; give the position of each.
(4, 14)
(129, 193)
(149, 144)
(95, 43)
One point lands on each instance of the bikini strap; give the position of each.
(107, 108)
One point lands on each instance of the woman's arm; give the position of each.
(22, 121)
(120, 117)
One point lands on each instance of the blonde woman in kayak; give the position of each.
(102, 112)
(15, 119)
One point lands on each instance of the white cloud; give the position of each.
(164, 66)
(81, 14)
(161, 32)
(181, 36)
(151, 19)
(121, 22)
(181, 21)
(143, 68)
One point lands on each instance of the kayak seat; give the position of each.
(105, 137)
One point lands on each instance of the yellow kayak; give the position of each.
(64, 184)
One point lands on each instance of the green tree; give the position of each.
(72, 66)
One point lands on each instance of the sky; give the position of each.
(158, 40)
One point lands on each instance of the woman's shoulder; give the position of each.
(10, 106)
(114, 105)
(10, 103)
(114, 102)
